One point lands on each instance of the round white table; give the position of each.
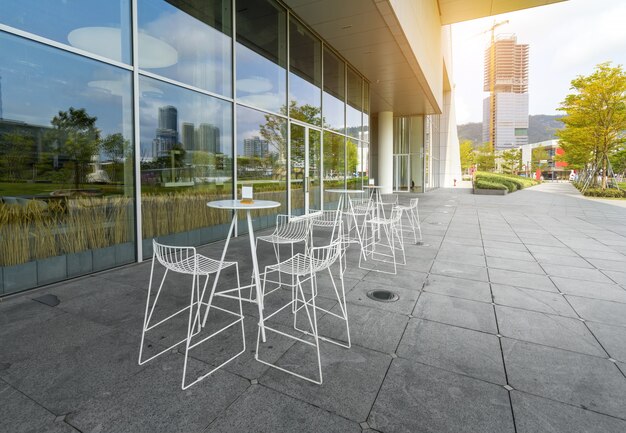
(236, 205)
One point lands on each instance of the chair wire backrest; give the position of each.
(323, 257)
(296, 228)
(178, 259)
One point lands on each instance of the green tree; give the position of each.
(485, 158)
(352, 156)
(511, 160)
(618, 161)
(595, 119)
(468, 156)
(16, 155)
(78, 139)
(116, 148)
(539, 158)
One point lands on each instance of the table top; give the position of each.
(236, 204)
(372, 186)
(345, 191)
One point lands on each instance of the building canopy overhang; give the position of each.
(402, 60)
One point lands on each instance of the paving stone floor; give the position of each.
(511, 318)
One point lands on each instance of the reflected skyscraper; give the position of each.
(255, 147)
(188, 135)
(208, 138)
(167, 131)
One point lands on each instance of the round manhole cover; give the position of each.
(383, 295)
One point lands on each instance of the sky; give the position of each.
(565, 40)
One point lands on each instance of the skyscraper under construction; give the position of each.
(505, 110)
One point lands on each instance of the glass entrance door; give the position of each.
(401, 172)
(305, 190)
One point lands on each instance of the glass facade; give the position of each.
(97, 141)
(408, 154)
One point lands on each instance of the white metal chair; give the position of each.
(333, 220)
(357, 212)
(413, 217)
(383, 249)
(305, 268)
(288, 231)
(389, 200)
(185, 260)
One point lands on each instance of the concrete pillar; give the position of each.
(385, 151)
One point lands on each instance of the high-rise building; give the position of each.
(167, 131)
(188, 135)
(505, 110)
(208, 138)
(255, 147)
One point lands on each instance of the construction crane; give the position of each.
(492, 83)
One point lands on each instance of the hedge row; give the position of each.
(608, 192)
(485, 184)
(502, 181)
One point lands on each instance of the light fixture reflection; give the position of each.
(107, 42)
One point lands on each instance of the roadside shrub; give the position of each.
(509, 181)
(486, 184)
(609, 193)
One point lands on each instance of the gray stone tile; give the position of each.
(529, 299)
(539, 415)
(20, 414)
(456, 311)
(462, 257)
(462, 288)
(609, 264)
(62, 382)
(23, 311)
(405, 278)
(509, 254)
(420, 398)
(607, 292)
(521, 279)
(597, 310)
(576, 273)
(618, 277)
(555, 331)
(404, 305)
(557, 251)
(261, 409)
(351, 377)
(369, 327)
(562, 260)
(514, 265)
(460, 350)
(547, 241)
(514, 246)
(595, 254)
(612, 338)
(51, 336)
(151, 400)
(459, 270)
(467, 250)
(453, 239)
(582, 380)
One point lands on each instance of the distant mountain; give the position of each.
(541, 127)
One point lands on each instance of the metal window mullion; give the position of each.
(288, 144)
(184, 86)
(233, 80)
(136, 133)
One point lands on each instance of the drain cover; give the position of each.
(382, 295)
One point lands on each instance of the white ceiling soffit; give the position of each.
(357, 30)
(454, 11)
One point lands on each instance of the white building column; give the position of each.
(385, 151)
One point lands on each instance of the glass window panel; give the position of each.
(352, 162)
(100, 27)
(262, 159)
(305, 74)
(334, 166)
(355, 104)
(186, 160)
(366, 111)
(188, 41)
(66, 164)
(262, 54)
(334, 92)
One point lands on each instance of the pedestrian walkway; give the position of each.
(511, 318)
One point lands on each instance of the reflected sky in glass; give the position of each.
(39, 81)
(333, 113)
(260, 82)
(184, 48)
(57, 19)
